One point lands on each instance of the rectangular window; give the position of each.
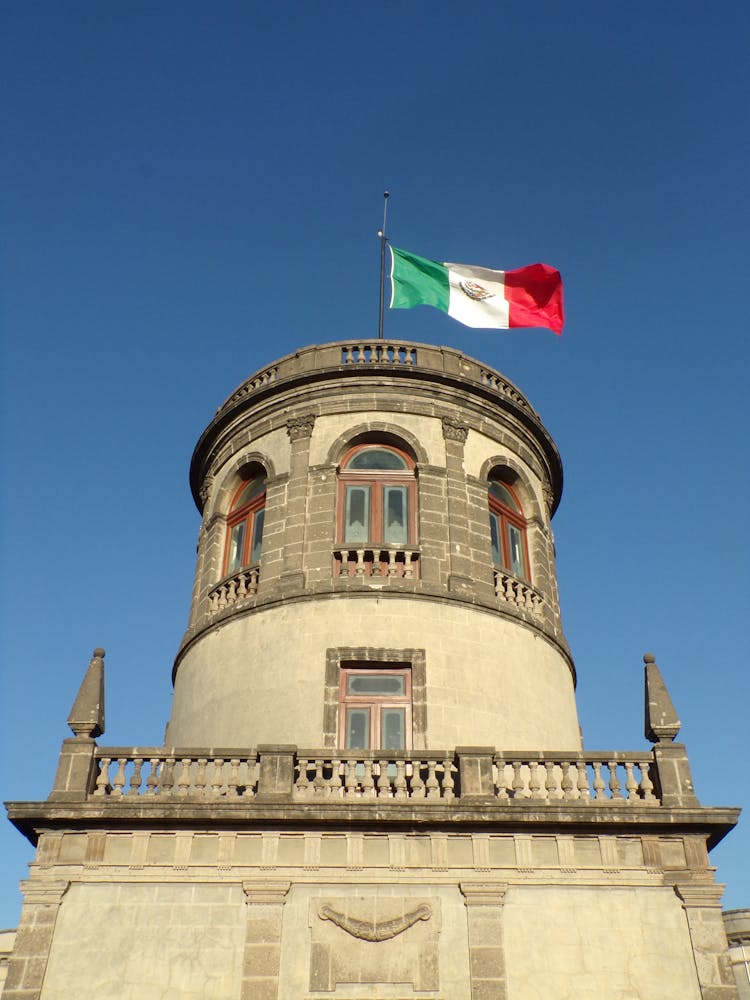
(395, 527)
(375, 708)
(357, 514)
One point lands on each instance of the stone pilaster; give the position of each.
(28, 963)
(484, 906)
(460, 578)
(300, 431)
(702, 905)
(265, 903)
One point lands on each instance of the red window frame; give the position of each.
(248, 513)
(508, 516)
(375, 703)
(377, 481)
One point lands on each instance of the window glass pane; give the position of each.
(357, 523)
(392, 729)
(503, 494)
(375, 684)
(253, 489)
(495, 539)
(517, 566)
(236, 539)
(394, 513)
(377, 458)
(257, 535)
(358, 728)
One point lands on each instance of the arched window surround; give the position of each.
(245, 518)
(377, 496)
(508, 526)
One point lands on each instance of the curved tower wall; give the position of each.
(262, 656)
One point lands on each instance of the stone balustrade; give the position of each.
(366, 354)
(599, 779)
(366, 775)
(510, 590)
(234, 588)
(156, 771)
(398, 563)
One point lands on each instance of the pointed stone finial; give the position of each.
(87, 714)
(662, 724)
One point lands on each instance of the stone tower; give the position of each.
(373, 783)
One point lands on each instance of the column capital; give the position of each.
(44, 893)
(454, 429)
(700, 896)
(483, 893)
(300, 427)
(268, 891)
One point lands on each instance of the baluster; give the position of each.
(351, 779)
(102, 778)
(152, 782)
(232, 591)
(550, 782)
(392, 567)
(599, 785)
(335, 785)
(119, 783)
(360, 565)
(233, 784)
(508, 589)
(135, 777)
(361, 359)
(519, 787)
(200, 775)
(254, 577)
(432, 785)
(166, 778)
(583, 781)
(416, 788)
(368, 782)
(568, 785)
(242, 588)
(647, 785)
(384, 783)
(222, 601)
(409, 565)
(213, 601)
(501, 785)
(302, 784)
(631, 785)
(319, 782)
(614, 783)
(218, 777)
(535, 783)
(449, 784)
(399, 784)
(183, 782)
(497, 582)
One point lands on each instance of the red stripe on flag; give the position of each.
(534, 294)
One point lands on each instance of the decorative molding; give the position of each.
(266, 892)
(701, 896)
(483, 893)
(375, 930)
(454, 429)
(206, 490)
(300, 427)
(47, 893)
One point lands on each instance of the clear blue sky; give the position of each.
(190, 190)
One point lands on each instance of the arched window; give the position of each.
(245, 525)
(507, 530)
(377, 497)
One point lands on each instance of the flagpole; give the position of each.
(383, 240)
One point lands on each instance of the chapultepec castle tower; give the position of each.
(373, 783)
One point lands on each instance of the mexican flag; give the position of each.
(477, 296)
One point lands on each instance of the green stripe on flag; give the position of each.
(417, 281)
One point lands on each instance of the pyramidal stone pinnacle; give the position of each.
(87, 714)
(662, 723)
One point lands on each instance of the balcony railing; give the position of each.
(234, 588)
(400, 563)
(289, 775)
(510, 590)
